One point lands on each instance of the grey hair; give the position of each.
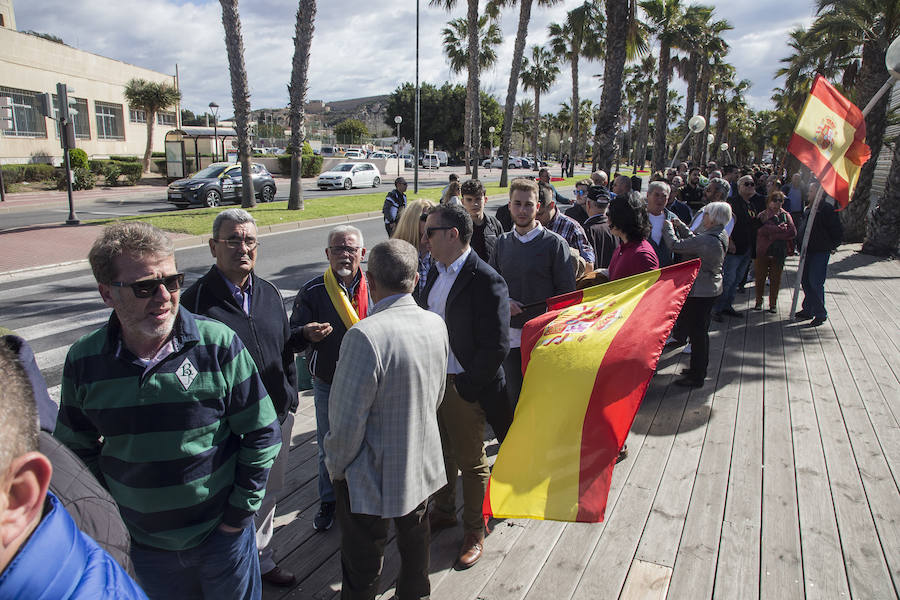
(347, 230)
(18, 410)
(393, 265)
(134, 238)
(715, 174)
(720, 186)
(232, 215)
(719, 212)
(659, 185)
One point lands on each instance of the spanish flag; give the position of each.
(830, 139)
(588, 363)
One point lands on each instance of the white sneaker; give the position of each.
(687, 349)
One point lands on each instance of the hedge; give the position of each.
(84, 180)
(20, 173)
(311, 166)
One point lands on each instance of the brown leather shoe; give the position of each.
(471, 550)
(437, 520)
(279, 577)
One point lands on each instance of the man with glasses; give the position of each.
(169, 411)
(741, 245)
(577, 211)
(324, 309)
(232, 293)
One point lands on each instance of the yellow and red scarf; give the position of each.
(351, 310)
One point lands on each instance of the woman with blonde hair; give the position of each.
(410, 228)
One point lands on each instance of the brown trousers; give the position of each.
(771, 267)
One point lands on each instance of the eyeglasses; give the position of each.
(344, 249)
(748, 184)
(145, 288)
(234, 244)
(580, 192)
(429, 231)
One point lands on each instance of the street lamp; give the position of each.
(491, 130)
(398, 119)
(724, 148)
(696, 124)
(215, 111)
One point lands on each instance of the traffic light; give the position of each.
(66, 118)
(6, 113)
(44, 105)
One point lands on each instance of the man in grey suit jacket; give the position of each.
(383, 450)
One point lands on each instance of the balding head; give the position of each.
(600, 178)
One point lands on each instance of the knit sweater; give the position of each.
(186, 445)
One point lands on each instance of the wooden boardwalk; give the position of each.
(778, 479)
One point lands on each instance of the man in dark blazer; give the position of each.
(473, 300)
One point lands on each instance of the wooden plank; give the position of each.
(520, 567)
(781, 567)
(646, 581)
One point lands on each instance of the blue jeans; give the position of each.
(224, 566)
(813, 283)
(320, 399)
(733, 268)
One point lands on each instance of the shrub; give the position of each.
(84, 179)
(312, 166)
(39, 172)
(157, 155)
(132, 171)
(121, 158)
(13, 173)
(284, 164)
(78, 158)
(111, 173)
(98, 165)
(161, 165)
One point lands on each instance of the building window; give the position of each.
(110, 122)
(26, 120)
(165, 117)
(82, 119)
(136, 115)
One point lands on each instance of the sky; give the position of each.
(361, 48)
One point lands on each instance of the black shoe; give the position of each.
(674, 343)
(690, 382)
(817, 321)
(717, 317)
(325, 517)
(802, 315)
(731, 312)
(279, 577)
(688, 373)
(623, 454)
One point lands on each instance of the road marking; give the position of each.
(48, 328)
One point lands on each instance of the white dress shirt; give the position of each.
(437, 298)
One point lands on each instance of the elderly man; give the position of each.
(42, 554)
(577, 211)
(597, 227)
(675, 205)
(383, 450)
(600, 178)
(566, 227)
(621, 186)
(324, 309)
(657, 198)
(473, 301)
(394, 203)
(232, 293)
(169, 410)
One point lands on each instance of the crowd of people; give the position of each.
(176, 416)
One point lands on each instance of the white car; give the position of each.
(379, 154)
(431, 161)
(514, 162)
(348, 175)
(354, 154)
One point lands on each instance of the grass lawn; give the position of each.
(199, 221)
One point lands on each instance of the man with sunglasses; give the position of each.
(232, 293)
(169, 412)
(324, 309)
(741, 245)
(577, 211)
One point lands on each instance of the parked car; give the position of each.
(514, 162)
(218, 183)
(408, 160)
(354, 154)
(350, 175)
(525, 163)
(379, 154)
(431, 161)
(442, 156)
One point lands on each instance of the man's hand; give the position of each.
(316, 332)
(228, 528)
(515, 307)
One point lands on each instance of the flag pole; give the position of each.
(815, 205)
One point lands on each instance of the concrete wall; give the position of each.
(37, 65)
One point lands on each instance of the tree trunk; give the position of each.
(518, 50)
(240, 95)
(575, 117)
(659, 138)
(537, 125)
(872, 75)
(473, 88)
(607, 127)
(151, 116)
(303, 33)
(883, 225)
(699, 152)
(721, 123)
(640, 145)
(690, 99)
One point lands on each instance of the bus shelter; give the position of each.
(181, 142)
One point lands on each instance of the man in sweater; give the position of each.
(324, 309)
(534, 262)
(168, 409)
(232, 293)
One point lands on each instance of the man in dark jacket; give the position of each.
(741, 244)
(232, 293)
(394, 203)
(42, 553)
(597, 227)
(474, 302)
(324, 309)
(826, 235)
(486, 228)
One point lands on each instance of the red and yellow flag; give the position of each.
(830, 139)
(588, 363)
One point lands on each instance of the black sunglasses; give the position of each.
(429, 231)
(145, 288)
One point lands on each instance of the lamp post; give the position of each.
(696, 124)
(710, 138)
(724, 148)
(398, 119)
(491, 131)
(215, 111)
(541, 146)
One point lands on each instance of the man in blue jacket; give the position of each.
(42, 552)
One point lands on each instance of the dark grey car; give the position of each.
(218, 183)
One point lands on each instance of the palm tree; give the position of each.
(303, 33)
(523, 114)
(578, 36)
(704, 45)
(518, 50)
(538, 74)
(643, 81)
(150, 97)
(240, 95)
(459, 48)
